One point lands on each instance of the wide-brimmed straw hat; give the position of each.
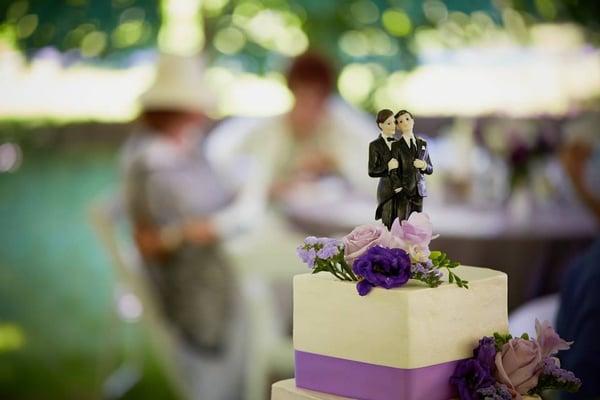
(178, 85)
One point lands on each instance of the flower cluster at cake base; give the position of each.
(507, 368)
(374, 256)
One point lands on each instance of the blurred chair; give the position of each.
(133, 301)
(269, 349)
(522, 320)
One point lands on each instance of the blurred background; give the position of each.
(499, 88)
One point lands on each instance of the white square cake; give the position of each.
(403, 343)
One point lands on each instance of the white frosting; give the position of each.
(287, 390)
(409, 327)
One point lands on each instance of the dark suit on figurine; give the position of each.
(393, 204)
(379, 156)
(412, 179)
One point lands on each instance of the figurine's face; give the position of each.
(388, 127)
(405, 122)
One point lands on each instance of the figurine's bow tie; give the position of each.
(390, 139)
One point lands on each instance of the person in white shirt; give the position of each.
(319, 144)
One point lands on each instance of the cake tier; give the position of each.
(398, 343)
(287, 390)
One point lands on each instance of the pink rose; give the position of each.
(417, 230)
(549, 341)
(362, 238)
(519, 365)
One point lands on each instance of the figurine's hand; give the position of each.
(420, 164)
(392, 164)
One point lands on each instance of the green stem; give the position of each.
(347, 268)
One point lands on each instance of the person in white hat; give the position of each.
(181, 211)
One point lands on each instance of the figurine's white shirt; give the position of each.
(388, 143)
(408, 138)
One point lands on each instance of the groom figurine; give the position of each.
(414, 163)
(399, 162)
(383, 164)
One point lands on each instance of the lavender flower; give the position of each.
(325, 254)
(330, 248)
(311, 240)
(494, 392)
(380, 266)
(426, 272)
(307, 255)
(553, 376)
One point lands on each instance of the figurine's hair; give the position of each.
(402, 112)
(382, 115)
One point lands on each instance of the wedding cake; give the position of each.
(383, 317)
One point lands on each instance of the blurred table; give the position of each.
(532, 248)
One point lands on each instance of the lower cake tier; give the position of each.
(287, 390)
(401, 343)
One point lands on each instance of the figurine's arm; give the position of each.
(423, 163)
(429, 169)
(377, 168)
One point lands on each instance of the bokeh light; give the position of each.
(10, 157)
(356, 82)
(12, 337)
(396, 22)
(229, 40)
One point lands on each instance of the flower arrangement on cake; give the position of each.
(507, 368)
(374, 256)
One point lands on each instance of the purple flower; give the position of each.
(315, 248)
(469, 377)
(311, 240)
(551, 368)
(380, 266)
(330, 249)
(307, 255)
(495, 392)
(485, 353)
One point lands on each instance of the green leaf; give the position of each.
(501, 340)
(525, 336)
(451, 277)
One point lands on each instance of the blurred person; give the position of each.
(317, 138)
(315, 152)
(181, 212)
(579, 312)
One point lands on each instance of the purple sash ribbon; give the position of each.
(359, 380)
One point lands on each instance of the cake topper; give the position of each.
(391, 253)
(399, 159)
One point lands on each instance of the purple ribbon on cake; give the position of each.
(359, 380)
